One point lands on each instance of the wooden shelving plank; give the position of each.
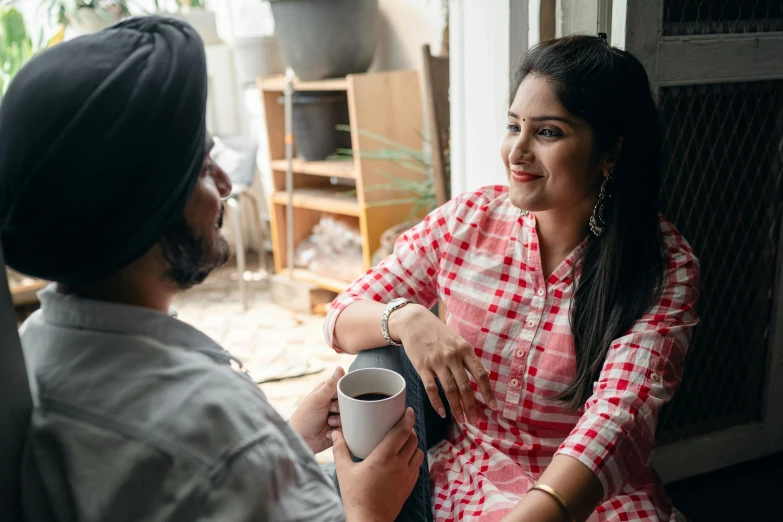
(25, 293)
(325, 200)
(327, 283)
(332, 169)
(277, 84)
(385, 103)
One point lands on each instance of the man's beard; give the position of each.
(190, 258)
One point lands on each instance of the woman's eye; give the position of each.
(549, 133)
(512, 127)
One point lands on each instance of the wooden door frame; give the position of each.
(689, 60)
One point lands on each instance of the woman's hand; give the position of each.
(438, 352)
(319, 414)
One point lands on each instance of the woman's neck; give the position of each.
(560, 231)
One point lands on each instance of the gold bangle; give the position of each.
(558, 498)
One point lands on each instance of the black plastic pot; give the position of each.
(326, 39)
(315, 116)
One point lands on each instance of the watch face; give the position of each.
(398, 301)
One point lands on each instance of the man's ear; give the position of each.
(612, 157)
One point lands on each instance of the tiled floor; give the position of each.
(270, 340)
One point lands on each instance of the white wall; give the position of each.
(404, 26)
(576, 17)
(619, 11)
(480, 57)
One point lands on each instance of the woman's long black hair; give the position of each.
(623, 269)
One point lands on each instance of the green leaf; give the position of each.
(13, 22)
(403, 185)
(422, 136)
(394, 144)
(420, 193)
(16, 46)
(387, 202)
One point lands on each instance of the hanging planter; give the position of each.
(326, 39)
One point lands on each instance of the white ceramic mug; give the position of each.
(366, 423)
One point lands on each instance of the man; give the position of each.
(106, 188)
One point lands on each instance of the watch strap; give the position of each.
(393, 305)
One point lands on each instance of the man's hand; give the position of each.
(375, 490)
(319, 414)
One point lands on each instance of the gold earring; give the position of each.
(597, 222)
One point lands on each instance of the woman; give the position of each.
(570, 303)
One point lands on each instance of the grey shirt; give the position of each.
(140, 416)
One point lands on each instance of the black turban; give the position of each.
(102, 139)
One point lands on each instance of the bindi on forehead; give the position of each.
(563, 118)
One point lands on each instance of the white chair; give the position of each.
(236, 155)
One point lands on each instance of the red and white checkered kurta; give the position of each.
(482, 258)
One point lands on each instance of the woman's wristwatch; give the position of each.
(394, 304)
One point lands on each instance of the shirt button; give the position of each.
(520, 353)
(531, 324)
(655, 377)
(540, 292)
(514, 382)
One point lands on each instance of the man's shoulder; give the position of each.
(145, 410)
(208, 440)
(172, 396)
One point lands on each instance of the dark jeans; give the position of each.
(429, 427)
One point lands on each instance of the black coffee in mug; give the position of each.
(372, 396)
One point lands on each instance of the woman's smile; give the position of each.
(521, 176)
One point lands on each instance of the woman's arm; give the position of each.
(353, 323)
(438, 353)
(572, 480)
(435, 351)
(359, 325)
(613, 440)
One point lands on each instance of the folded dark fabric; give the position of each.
(102, 139)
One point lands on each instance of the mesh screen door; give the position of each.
(717, 69)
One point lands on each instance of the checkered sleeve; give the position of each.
(616, 434)
(410, 271)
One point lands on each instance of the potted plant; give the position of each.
(16, 46)
(419, 192)
(326, 39)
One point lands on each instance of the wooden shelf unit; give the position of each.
(321, 199)
(385, 103)
(327, 283)
(26, 293)
(331, 169)
(277, 84)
